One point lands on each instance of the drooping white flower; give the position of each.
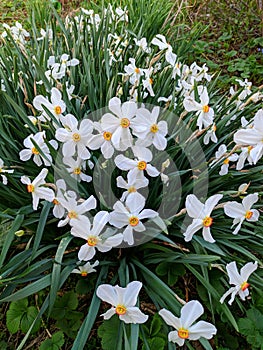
(94, 237)
(132, 185)
(239, 280)
(118, 123)
(240, 212)
(201, 216)
(57, 106)
(75, 168)
(74, 136)
(204, 111)
(185, 326)
(75, 211)
(252, 136)
(123, 301)
(137, 166)
(171, 58)
(101, 140)
(59, 210)
(243, 156)
(130, 215)
(160, 41)
(86, 269)
(225, 166)
(36, 188)
(148, 130)
(4, 170)
(31, 150)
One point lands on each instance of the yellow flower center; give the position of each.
(214, 128)
(125, 123)
(76, 137)
(142, 165)
(30, 188)
(84, 273)
(72, 214)
(120, 309)
(34, 150)
(92, 241)
(154, 128)
(207, 221)
(57, 110)
(183, 333)
(249, 214)
(226, 161)
(206, 109)
(137, 70)
(244, 286)
(132, 189)
(107, 135)
(77, 171)
(55, 201)
(249, 149)
(133, 221)
(151, 81)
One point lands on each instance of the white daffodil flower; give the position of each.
(36, 188)
(225, 166)
(133, 71)
(142, 43)
(171, 58)
(160, 41)
(74, 136)
(75, 168)
(148, 130)
(201, 216)
(252, 136)
(239, 280)
(31, 150)
(57, 106)
(131, 216)
(132, 185)
(147, 83)
(59, 210)
(123, 301)
(240, 212)
(204, 111)
(4, 170)
(118, 123)
(75, 211)
(86, 269)
(137, 166)
(101, 140)
(94, 237)
(185, 329)
(243, 156)
(210, 135)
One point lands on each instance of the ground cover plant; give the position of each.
(131, 188)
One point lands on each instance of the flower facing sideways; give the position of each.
(185, 329)
(37, 190)
(123, 301)
(239, 280)
(86, 269)
(201, 216)
(240, 212)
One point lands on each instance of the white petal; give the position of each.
(249, 200)
(211, 203)
(190, 312)
(173, 337)
(86, 252)
(134, 315)
(128, 235)
(234, 276)
(193, 206)
(207, 235)
(202, 329)
(234, 210)
(131, 293)
(135, 204)
(192, 229)
(108, 314)
(152, 171)
(99, 221)
(170, 319)
(247, 270)
(107, 293)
